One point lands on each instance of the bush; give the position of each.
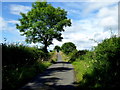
(20, 64)
(107, 55)
(104, 64)
(77, 54)
(19, 55)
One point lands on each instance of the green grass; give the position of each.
(65, 57)
(53, 56)
(81, 68)
(22, 75)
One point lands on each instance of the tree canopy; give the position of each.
(57, 48)
(68, 47)
(43, 23)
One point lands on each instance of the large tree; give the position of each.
(43, 23)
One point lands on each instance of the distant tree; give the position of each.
(68, 47)
(81, 52)
(77, 54)
(57, 48)
(43, 23)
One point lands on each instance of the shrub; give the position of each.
(106, 69)
(20, 64)
(77, 54)
(104, 64)
(107, 55)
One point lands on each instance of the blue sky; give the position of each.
(90, 20)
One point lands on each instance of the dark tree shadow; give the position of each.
(42, 82)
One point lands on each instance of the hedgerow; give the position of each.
(20, 64)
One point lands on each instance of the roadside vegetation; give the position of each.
(98, 68)
(53, 55)
(21, 63)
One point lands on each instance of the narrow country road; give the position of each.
(59, 76)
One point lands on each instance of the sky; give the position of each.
(91, 21)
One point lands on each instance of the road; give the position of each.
(59, 76)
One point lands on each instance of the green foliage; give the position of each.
(54, 57)
(19, 55)
(77, 54)
(20, 64)
(100, 68)
(16, 78)
(68, 47)
(107, 68)
(57, 48)
(82, 67)
(43, 23)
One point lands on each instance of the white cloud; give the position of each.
(9, 31)
(92, 6)
(13, 21)
(86, 9)
(99, 36)
(3, 24)
(108, 21)
(105, 11)
(108, 17)
(16, 9)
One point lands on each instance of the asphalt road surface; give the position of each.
(59, 76)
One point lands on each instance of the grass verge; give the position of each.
(81, 68)
(66, 58)
(14, 79)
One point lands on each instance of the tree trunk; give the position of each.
(45, 49)
(45, 44)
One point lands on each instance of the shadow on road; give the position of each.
(62, 69)
(47, 80)
(62, 62)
